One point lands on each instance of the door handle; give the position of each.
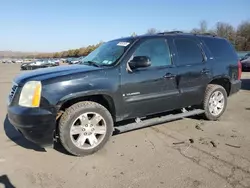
(169, 76)
(205, 71)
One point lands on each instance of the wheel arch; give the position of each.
(222, 81)
(104, 99)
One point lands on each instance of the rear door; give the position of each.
(224, 59)
(193, 71)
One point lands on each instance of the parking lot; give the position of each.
(184, 153)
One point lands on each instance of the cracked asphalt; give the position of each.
(190, 153)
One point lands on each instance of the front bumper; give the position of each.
(35, 124)
(235, 87)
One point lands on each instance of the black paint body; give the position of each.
(143, 92)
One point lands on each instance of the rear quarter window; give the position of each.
(220, 48)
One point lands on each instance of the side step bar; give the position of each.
(156, 120)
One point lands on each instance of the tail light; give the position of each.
(239, 70)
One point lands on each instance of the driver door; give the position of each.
(151, 89)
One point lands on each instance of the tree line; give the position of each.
(239, 36)
(69, 53)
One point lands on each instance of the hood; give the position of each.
(52, 72)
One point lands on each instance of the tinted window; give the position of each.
(220, 48)
(188, 52)
(157, 50)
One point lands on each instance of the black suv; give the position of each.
(131, 78)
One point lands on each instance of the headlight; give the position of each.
(31, 94)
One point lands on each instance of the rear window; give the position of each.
(188, 51)
(220, 48)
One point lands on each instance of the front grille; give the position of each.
(12, 92)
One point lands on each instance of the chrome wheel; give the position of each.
(88, 130)
(216, 103)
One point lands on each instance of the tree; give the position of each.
(243, 36)
(151, 31)
(240, 43)
(195, 31)
(71, 53)
(56, 55)
(133, 34)
(201, 29)
(65, 54)
(203, 26)
(76, 52)
(226, 30)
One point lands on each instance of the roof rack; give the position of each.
(170, 32)
(210, 34)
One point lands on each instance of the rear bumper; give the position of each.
(235, 87)
(35, 124)
(246, 67)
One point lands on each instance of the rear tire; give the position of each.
(83, 134)
(215, 102)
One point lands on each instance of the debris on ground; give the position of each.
(234, 146)
(191, 140)
(120, 154)
(198, 127)
(213, 144)
(233, 136)
(221, 135)
(176, 143)
(207, 141)
(183, 142)
(203, 141)
(153, 145)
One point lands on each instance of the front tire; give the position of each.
(215, 102)
(85, 127)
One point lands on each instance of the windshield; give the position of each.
(108, 53)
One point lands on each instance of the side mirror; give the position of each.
(140, 62)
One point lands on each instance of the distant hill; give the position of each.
(5, 54)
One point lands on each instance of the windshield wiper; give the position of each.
(91, 63)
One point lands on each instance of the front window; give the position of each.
(108, 53)
(157, 50)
